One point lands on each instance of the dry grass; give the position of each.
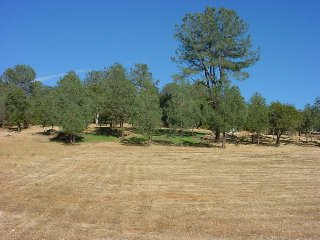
(110, 191)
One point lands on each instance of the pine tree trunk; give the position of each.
(224, 140)
(272, 134)
(122, 129)
(299, 135)
(278, 138)
(217, 135)
(97, 118)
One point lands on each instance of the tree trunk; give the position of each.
(217, 135)
(311, 136)
(272, 134)
(224, 140)
(122, 129)
(299, 135)
(19, 127)
(73, 139)
(149, 140)
(180, 137)
(306, 134)
(278, 138)
(258, 138)
(97, 118)
(252, 138)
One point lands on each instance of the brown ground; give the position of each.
(109, 191)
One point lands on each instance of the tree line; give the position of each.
(214, 47)
(116, 96)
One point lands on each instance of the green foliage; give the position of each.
(183, 111)
(230, 113)
(309, 118)
(146, 114)
(283, 117)
(73, 105)
(21, 75)
(121, 92)
(216, 44)
(257, 119)
(49, 114)
(2, 107)
(36, 102)
(96, 86)
(112, 93)
(316, 110)
(16, 105)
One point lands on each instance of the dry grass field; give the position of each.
(49, 190)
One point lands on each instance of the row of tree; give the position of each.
(214, 47)
(116, 96)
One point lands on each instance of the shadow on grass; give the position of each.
(300, 143)
(48, 132)
(107, 131)
(141, 141)
(134, 141)
(268, 141)
(196, 144)
(64, 138)
(175, 133)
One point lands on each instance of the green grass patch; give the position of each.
(99, 138)
(175, 140)
(167, 139)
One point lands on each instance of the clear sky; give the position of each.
(56, 36)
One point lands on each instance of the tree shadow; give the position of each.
(269, 141)
(197, 144)
(300, 143)
(134, 141)
(61, 137)
(163, 142)
(48, 132)
(107, 131)
(175, 133)
(140, 141)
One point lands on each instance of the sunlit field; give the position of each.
(111, 190)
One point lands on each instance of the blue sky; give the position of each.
(57, 36)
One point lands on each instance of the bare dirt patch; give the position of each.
(49, 190)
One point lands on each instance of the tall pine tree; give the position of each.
(146, 114)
